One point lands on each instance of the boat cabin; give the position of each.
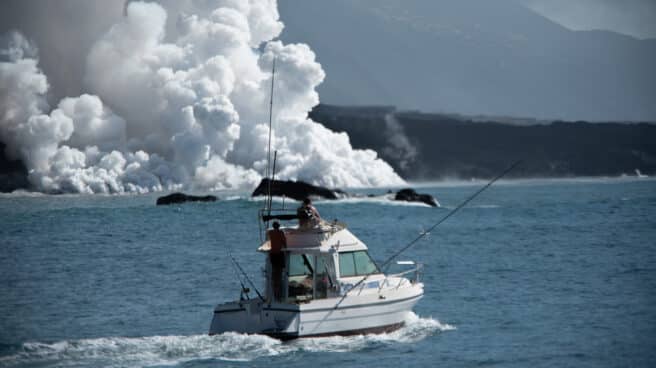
(321, 262)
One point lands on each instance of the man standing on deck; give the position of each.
(278, 242)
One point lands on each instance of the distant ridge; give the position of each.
(476, 57)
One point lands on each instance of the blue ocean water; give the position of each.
(540, 273)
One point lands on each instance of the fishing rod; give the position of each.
(243, 287)
(424, 233)
(234, 261)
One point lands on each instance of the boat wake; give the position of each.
(173, 350)
(415, 329)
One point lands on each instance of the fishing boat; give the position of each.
(329, 286)
(326, 285)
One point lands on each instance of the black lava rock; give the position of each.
(297, 190)
(410, 195)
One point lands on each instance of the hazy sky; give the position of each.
(632, 17)
(64, 30)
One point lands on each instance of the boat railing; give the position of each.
(416, 270)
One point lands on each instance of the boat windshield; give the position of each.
(310, 276)
(357, 263)
(300, 265)
(300, 275)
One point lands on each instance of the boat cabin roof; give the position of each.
(325, 238)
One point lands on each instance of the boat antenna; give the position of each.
(268, 169)
(234, 261)
(424, 233)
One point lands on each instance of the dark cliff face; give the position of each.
(13, 174)
(447, 146)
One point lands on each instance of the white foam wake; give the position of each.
(384, 200)
(143, 351)
(415, 329)
(172, 350)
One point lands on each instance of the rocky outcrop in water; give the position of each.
(410, 195)
(176, 198)
(300, 190)
(297, 190)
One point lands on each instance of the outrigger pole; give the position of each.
(451, 213)
(269, 170)
(273, 177)
(269, 173)
(424, 233)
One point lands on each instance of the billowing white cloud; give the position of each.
(93, 123)
(183, 110)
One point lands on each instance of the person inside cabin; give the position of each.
(278, 243)
(308, 216)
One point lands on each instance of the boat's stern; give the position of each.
(254, 316)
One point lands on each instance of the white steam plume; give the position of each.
(183, 110)
(400, 148)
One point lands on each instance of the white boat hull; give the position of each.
(355, 314)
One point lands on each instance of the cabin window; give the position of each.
(356, 264)
(300, 272)
(299, 264)
(324, 276)
(346, 264)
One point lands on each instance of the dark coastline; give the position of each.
(428, 146)
(423, 146)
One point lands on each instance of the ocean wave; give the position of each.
(454, 183)
(22, 193)
(172, 350)
(473, 206)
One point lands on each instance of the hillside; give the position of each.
(473, 57)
